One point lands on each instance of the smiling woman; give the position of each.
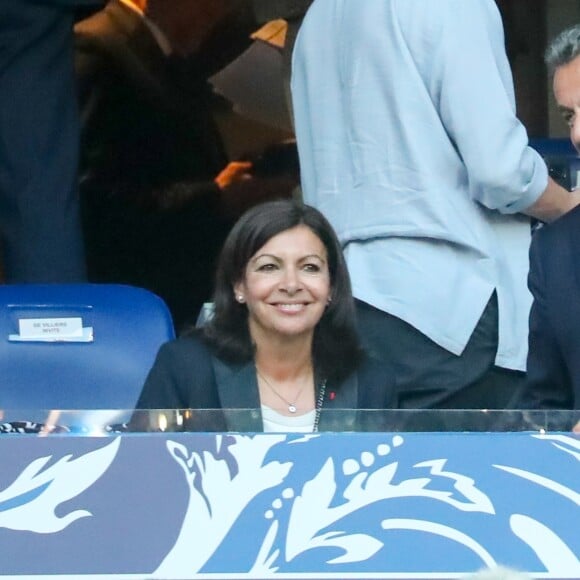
(286, 287)
(283, 339)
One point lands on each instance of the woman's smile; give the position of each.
(286, 285)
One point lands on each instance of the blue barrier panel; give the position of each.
(328, 505)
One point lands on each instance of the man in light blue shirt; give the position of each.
(409, 143)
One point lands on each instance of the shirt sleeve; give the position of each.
(471, 84)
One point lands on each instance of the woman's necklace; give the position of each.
(292, 408)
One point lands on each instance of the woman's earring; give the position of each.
(329, 300)
(240, 298)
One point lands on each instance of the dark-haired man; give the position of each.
(554, 340)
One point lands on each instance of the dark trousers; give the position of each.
(39, 214)
(430, 377)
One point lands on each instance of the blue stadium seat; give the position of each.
(77, 346)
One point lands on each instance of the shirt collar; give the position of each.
(158, 34)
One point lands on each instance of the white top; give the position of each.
(274, 422)
(409, 144)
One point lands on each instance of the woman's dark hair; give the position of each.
(336, 348)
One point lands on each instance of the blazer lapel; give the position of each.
(238, 389)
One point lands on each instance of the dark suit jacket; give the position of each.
(149, 154)
(554, 355)
(146, 117)
(186, 375)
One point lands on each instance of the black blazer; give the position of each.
(186, 375)
(554, 340)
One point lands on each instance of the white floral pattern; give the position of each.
(267, 506)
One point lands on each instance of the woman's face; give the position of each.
(286, 286)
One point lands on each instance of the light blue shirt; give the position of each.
(409, 144)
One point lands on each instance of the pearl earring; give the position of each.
(240, 298)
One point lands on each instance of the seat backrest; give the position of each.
(78, 346)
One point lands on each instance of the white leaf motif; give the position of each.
(357, 547)
(264, 563)
(36, 494)
(208, 517)
(441, 530)
(477, 500)
(310, 511)
(564, 443)
(556, 556)
(546, 482)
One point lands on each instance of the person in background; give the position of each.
(158, 191)
(40, 233)
(554, 279)
(409, 143)
(282, 339)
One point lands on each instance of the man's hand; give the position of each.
(554, 202)
(233, 172)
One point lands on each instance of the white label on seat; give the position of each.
(50, 328)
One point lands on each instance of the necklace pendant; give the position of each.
(292, 408)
